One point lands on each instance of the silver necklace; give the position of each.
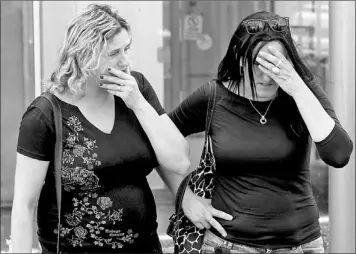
(263, 119)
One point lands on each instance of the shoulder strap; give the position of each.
(211, 106)
(209, 116)
(57, 117)
(207, 144)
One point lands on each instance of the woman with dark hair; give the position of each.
(268, 111)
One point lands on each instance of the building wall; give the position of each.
(17, 88)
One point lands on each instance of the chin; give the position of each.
(267, 93)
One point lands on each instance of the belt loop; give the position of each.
(229, 245)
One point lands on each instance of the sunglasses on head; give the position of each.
(277, 24)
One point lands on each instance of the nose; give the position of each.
(123, 61)
(265, 77)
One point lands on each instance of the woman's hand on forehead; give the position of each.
(277, 66)
(273, 56)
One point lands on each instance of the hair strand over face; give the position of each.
(243, 45)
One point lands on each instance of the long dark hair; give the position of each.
(243, 45)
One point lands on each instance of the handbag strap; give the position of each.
(211, 106)
(57, 117)
(209, 117)
(207, 143)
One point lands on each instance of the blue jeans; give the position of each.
(214, 244)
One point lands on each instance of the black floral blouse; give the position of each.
(107, 204)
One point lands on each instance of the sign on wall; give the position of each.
(193, 26)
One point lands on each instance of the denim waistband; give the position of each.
(212, 239)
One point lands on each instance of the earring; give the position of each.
(241, 68)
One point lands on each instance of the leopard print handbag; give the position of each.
(186, 236)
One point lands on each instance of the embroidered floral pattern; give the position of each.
(91, 212)
(80, 232)
(73, 178)
(74, 121)
(79, 177)
(104, 202)
(95, 229)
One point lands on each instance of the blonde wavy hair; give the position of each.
(85, 41)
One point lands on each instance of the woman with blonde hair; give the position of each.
(115, 132)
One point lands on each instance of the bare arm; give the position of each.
(332, 142)
(29, 178)
(170, 146)
(319, 123)
(171, 179)
(198, 210)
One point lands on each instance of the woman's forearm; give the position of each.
(21, 229)
(317, 120)
(170, 146)
(332, 142)
(171, 179)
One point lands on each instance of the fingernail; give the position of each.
(109, 69)
(101, 77)
(262, 53)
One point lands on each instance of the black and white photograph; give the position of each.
(182, 126)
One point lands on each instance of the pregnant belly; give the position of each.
(126, 212)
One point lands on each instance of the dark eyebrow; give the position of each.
(114, 51)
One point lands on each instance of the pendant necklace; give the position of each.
(263, 119)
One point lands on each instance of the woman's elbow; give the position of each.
(184, 166)
(341, 157)
(182, 161)
(178, 165)
(338, 162)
